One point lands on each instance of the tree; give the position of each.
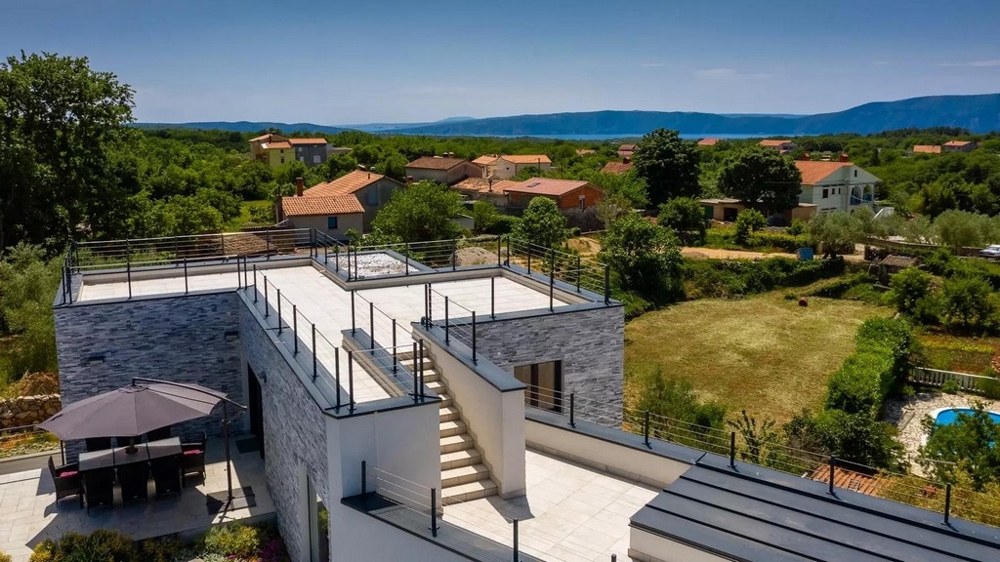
(644, 257)
(968, 304)
(836, 232)
(761, 442)
(420, 213)
(971, 440)
(27, 286)
(748, 221)
(676, 399)
(485, 216)
(858, 438)
(542, 223)
(669, 165)
(686, 217)
(909, 290)
(961, 229)
(761, 176)
(60, 123)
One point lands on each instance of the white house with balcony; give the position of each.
(836, 186)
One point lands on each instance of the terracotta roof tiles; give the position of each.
(312, 206)
(435, 163)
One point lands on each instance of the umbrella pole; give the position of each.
(229, 465)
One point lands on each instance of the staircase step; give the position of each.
(465, 457)
(430, 375)
(454, 443)
(463, 475)
(445, 400)
(467, 492)
(435, 386)
(455, 427)
(449, 413)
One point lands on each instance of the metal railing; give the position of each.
(458, 322)
(946, 498)
(422, 506)
(965, 381)
(565, 267)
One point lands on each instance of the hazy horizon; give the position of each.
(403, 62)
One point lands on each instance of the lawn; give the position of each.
(763, 353)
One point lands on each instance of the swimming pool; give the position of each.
(948, 416)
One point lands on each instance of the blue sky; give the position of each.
(335, 62)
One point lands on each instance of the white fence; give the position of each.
(965, 381)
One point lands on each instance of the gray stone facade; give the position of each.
(310, 154)
(102, 347)
(590, 344)
(295, 437)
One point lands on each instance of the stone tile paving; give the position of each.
(570, 513)
(906, 414)
(29, 514)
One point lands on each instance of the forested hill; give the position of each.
(978, 113)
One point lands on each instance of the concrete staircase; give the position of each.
(463, 475)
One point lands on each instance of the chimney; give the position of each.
(626, 160)
(298, 186)
(843, 157)
(805, 156)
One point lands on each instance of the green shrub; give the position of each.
(778, 240)
(236, 540)
(969, 305)
(4, 557)
(160, 550)
(797, 227)
(635, 305)
(908, 288)
(44, 551)
(856, 438)
(736, 278)
(748, 221)
(950, 386)
(879, 364)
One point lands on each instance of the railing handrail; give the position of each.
(215, 235)
(916, 368)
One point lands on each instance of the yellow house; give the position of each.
(273, 149)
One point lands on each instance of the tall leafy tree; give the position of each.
(420, 213)
(686, 216)
(61, 124)
(644, 257)
(669, 165)
(761, 176)
(542, 223)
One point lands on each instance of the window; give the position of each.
(331, 223)
(373, 197)
(544, 382)
(855, 173)
(282, 159)
(302, 158)
(315, 158)
(583, 202)
(826, 193)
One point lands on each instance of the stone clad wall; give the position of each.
(28, 410)
(590, 344)
(180, 339)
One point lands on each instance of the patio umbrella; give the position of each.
(132, 410)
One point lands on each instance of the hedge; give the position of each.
(735, 278)
(878, 364)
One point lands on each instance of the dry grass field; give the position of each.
(763, 353)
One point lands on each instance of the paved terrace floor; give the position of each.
(324, 303)
(29, 515)
(571, 513)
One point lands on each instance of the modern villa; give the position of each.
(407, 407)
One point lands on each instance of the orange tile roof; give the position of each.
(815, 172)
(957, 143)
(774, 143)
(307, 141)
(435, 163)
(708, 142)
(312, 206)
(275, 145)
(926, 149)
(486, 159)
(547, 186)
(482, 185)
(344, 185)
(585, 151)
(526, 158)
(616, 167)
(266, 137)
(627, 147)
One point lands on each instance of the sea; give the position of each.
(627, 136)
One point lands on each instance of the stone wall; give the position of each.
(181, 339)
(590, 343)
(295, 439)
(28, 410)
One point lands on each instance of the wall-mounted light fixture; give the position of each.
(95, 358)
(232, 335)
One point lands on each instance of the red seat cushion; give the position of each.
(68, 473)
(193, 452)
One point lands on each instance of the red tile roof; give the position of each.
(486, 159)
(435, 163)
(708, 142)
(772, 143)
(957, 143)
(526, 158)
(616, 167)
(275, 145)
(627, 148)
(815, 172)
(307, 141)
(926, 149)
(266, 137)
(547, 186)
(344, 185)
(312, 206)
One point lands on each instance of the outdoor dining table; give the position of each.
(117, 456)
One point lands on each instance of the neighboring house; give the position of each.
(926, 149)
(708, 142)
(726, 209)
(277, 150)
(442, 169)
(373, 191)
(626, 150)
(568, 194)
(507, 166)
(959, 146)
(331, 215)
(585, 151)
(487, 162)
(836, 186)
(617, 168)
(783, 146)
(484, 189)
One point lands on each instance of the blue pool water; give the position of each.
(948, 417)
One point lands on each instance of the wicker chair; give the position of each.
(134, 481)
(193, 458)
(99, 487)
(97, 444)
(67, 481)
(167, 475)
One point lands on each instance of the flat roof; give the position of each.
(760, 514)
(570, 512)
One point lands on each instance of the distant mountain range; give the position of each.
(977, 113)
